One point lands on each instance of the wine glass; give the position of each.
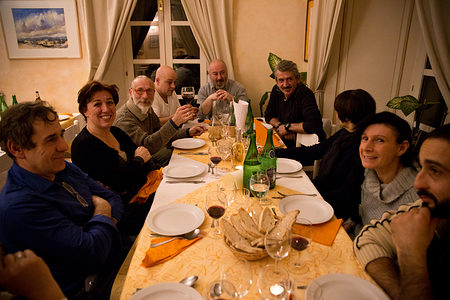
(274, 283)
(277, 245)
(215, 131)
(228, 187)
(259, 186)
(188, 94)
(225, 145)
(239, 274)
(215, 156)
(300, 239)
(216, 203)
(220, 289)
(242, 197)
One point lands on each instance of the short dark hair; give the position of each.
(354, 105)
(286, 66)
(400, 127)
(89, 89)
(17, 121)
(442, 132)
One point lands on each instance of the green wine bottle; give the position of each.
(14, 100)
(251, 162)
(268, 159)
(3, 105)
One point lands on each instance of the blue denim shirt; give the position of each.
(40, 215)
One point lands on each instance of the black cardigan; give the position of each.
(340, 173)
(104, 163)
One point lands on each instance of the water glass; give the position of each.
(274, 283)
(239, 274)
(259, 186)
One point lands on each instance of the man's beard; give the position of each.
(440, 210)
(143, 107)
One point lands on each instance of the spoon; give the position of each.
(189, 236)
(190, 280)
(302, 194)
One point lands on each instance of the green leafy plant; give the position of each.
(273, 61)
(407, 104)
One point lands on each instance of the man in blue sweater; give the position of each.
(51, 207)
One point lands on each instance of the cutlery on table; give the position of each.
(192, 153)
(189, 281)
(188, 181)
(189, 236)
(296, 194)
(289, 176)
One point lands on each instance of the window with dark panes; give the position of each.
(161, 35)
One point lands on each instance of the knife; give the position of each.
(192, 153)
(189, 181)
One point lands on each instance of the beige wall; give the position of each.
(57, 80)
(260, 27)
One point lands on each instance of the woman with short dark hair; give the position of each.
(340, 172)
(387, 156)
(107, 154)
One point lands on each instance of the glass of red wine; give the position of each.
(215, 156)
(188, 94)
(216, 204)
(300, 238)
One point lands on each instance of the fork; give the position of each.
(165, 242)
(296, 194)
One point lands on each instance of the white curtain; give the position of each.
(104, 22)
(436, 32)
(325, 16)
(211, 23)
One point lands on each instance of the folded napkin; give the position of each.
(153, 180)
(324, 233)
(163, 253)
(261, 134)
(240, 113)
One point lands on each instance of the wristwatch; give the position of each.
(287, 126)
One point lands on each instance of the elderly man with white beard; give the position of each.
(139, 121)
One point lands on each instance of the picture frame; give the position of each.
(36, 29)
(309, 6)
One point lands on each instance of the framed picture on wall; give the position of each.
(40, 29)
(309, 6)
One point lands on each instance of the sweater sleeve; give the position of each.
(375, 240)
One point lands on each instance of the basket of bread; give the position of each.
(244, 231)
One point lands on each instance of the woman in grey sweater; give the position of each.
(387, 156)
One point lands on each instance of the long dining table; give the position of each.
(207, 256)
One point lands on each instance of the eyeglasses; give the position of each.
(73, 192)
(141, 91)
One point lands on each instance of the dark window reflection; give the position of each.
(188, 75)
(148, 70)
(145, 10)
(184, 43)
(177, 11)
(434, 114)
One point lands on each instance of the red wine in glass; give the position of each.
(215, 159)
(188, 98)
(299, 243)
(216, 211)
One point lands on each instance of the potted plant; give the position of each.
(273, 61)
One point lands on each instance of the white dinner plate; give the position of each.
(175, 219)
(63, 117)
(286, 165)
(183, 170)
(167, 291)
(343, 286)
(188, 143)
(315, 210)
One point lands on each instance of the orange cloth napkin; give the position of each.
(261, 135)
(163, 253)
(153, 180)
(323, 233)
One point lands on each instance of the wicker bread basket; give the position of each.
(245, 255)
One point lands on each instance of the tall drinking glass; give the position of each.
(259, 186)
(188, 94)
